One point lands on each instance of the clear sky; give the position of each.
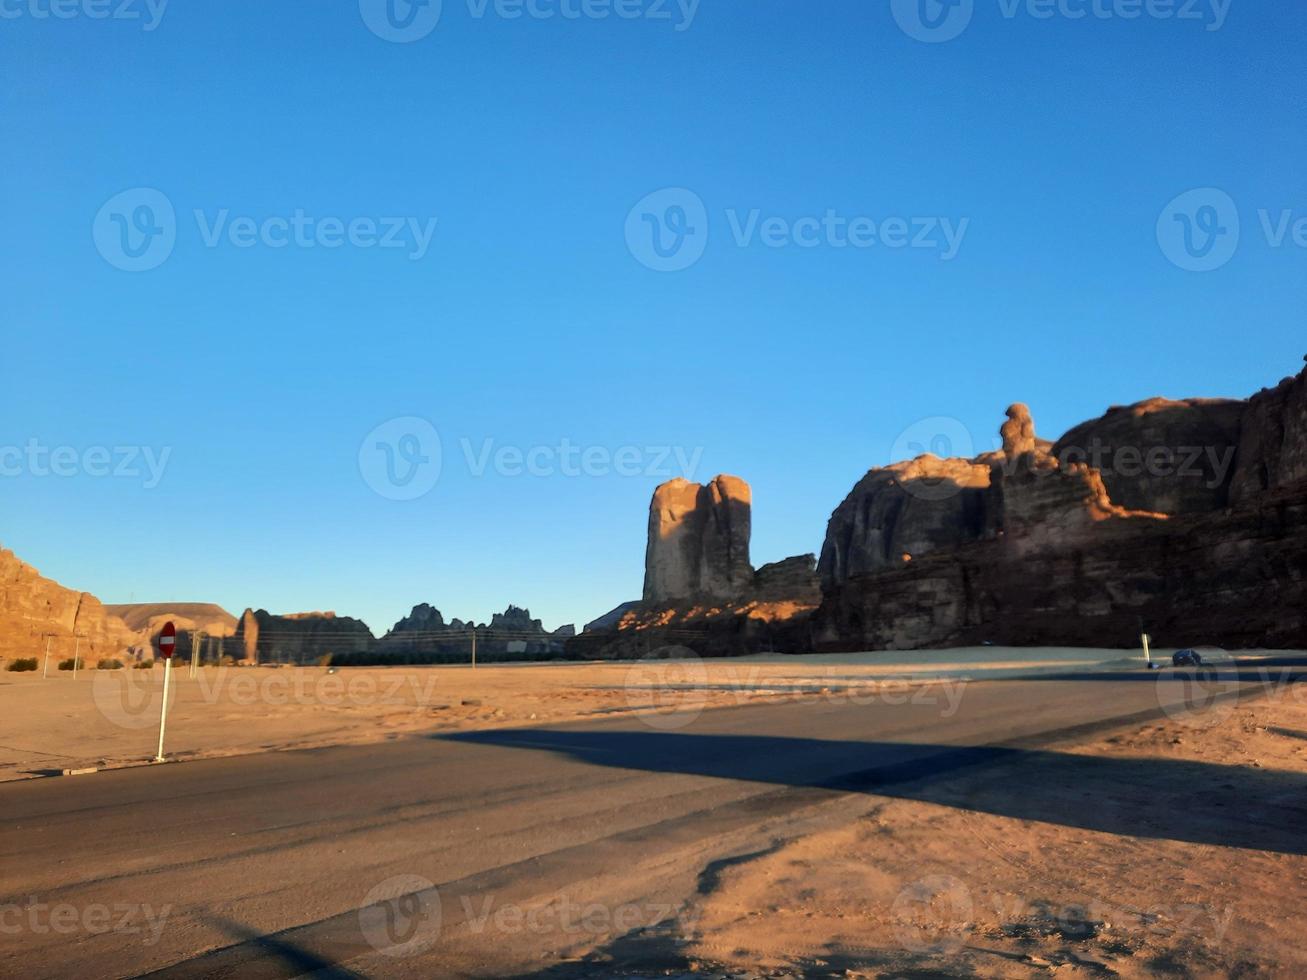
(536, 313)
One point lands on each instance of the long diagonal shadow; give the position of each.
(1165, 799)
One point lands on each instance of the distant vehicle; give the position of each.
(1187, 658)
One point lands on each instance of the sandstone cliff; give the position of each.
(32, 607)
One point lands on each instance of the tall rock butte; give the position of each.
(699, 541)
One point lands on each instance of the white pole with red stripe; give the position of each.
(167, 645)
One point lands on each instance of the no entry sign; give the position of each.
(167, 640)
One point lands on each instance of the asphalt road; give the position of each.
(509, 853)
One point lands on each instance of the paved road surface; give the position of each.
(258, 866)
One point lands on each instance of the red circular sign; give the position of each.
(167, 640)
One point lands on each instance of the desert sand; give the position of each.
(110, 718)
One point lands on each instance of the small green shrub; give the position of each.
(143, 665)
(68, 664)
(110, 663)
(19, 666)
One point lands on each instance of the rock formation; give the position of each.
(789, 580)
(610, 619)
(1018, 432)
(1189, 518)
(299, 638)
(424, 632)
(900, 512)
(33, 607)
(1272, 441)
(698, 541)
(1167, 457)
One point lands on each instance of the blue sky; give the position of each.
(531, 317)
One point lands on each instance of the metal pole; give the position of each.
(474, 648)
(1148, 654)
(46, 672)
(77, 646)
(163, 710)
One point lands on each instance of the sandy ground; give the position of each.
(111, 718)
(946, 889)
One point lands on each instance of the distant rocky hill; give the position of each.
(147, 619)
(298, 638)
(424, 631)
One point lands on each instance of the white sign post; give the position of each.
(167, 644)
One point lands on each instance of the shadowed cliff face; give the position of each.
(1164, 456)
(905, 510)
(698, 541)
(1194, 524)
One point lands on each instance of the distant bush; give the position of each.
(143, 665)
(68, 664)
(110, 663)
(19, 666)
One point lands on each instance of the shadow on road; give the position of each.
(1164, 799)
